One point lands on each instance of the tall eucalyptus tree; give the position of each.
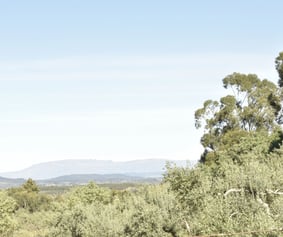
(253, 105)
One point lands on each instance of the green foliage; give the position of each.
(30, 186)
(279, 68)
(146, 211)
(89, 194)
(232, 201)
(237, 195)
(75, 222)
(33, 224)
(28, 197)
(7, 221)
(154, 212)
(254, 106)
(146, 221)
(83, 213)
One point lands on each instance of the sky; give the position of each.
(121, 80)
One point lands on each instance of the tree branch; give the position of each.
(232, 190)
(187, 226)
(274, 192)
(265, 205)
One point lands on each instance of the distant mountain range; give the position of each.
(149, 168)
(6, 182)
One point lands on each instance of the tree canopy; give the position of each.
(253, 105)
(279, 68)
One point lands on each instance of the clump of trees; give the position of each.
(95, 211)
(253, 106)
(28, 197)
(237, 187)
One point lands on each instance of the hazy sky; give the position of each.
(121, 79)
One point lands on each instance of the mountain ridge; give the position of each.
(53, 169)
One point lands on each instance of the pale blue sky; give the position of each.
(121, 79)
